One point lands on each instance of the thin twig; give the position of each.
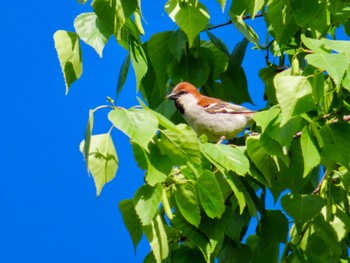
(318, 188)
(230, 21)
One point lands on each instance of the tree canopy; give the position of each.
(199, 198)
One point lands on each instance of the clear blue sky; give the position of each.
(49, 212)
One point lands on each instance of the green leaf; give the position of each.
(69, 54)
(341, 224)
(92, 31)
(300, 102)
(157, 166)
(180, 144)
(244, 28)
(82, 1)
(302, 207)
(103, 159)
(234, 82)
(284, 134)
(187, 202)
(281, 22)
(304, 10)
(316, 45)
(114, 13)
(157, 237)
(266, 251)
(327, 233)
(346, 79)
(186, 255)
(334, 64)
(209, 195)
(218, 43)
(222, 4)
(232, 253)
(163, 121)
(274, 226)
(310, 153)
(177, 43)
(265, 117)
(158, 51)
(138, 60)
(217, 61)
(226, 158)
(191, 69)
(147, 200)
(239, 51)
(261, 158)
(191, 16)
(123, 73)
(254, 6)
(194, 235)
(87, 139)
(131, 221)
(336, 138)
(140, 125)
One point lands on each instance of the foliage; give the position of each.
(199, 198)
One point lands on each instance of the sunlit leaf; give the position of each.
(187, 202)
(140, 125)
(147, 200)
(226, 158)
(103, 160)
(254, 6)
(334, 64)
(180, 144)
(310, 153)
(247, 31)
(191, 16)
(114, 13)
(222, 4)
(157, 237)
(92, 31)
(300, 102)
(68, 49)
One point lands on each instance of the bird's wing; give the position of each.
(225, 107)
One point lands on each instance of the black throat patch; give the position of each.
(179, 106)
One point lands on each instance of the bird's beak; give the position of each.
(172, 96)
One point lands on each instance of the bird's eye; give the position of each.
(181, 92)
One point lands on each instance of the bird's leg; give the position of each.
(222, 138)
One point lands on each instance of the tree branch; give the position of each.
(230, 22)
(318, 188)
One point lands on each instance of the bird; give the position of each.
(217, 119)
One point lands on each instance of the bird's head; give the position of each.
(183, 88)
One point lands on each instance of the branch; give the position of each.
(230, 22)
(318, 188)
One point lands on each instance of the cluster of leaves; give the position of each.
(199, 198)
